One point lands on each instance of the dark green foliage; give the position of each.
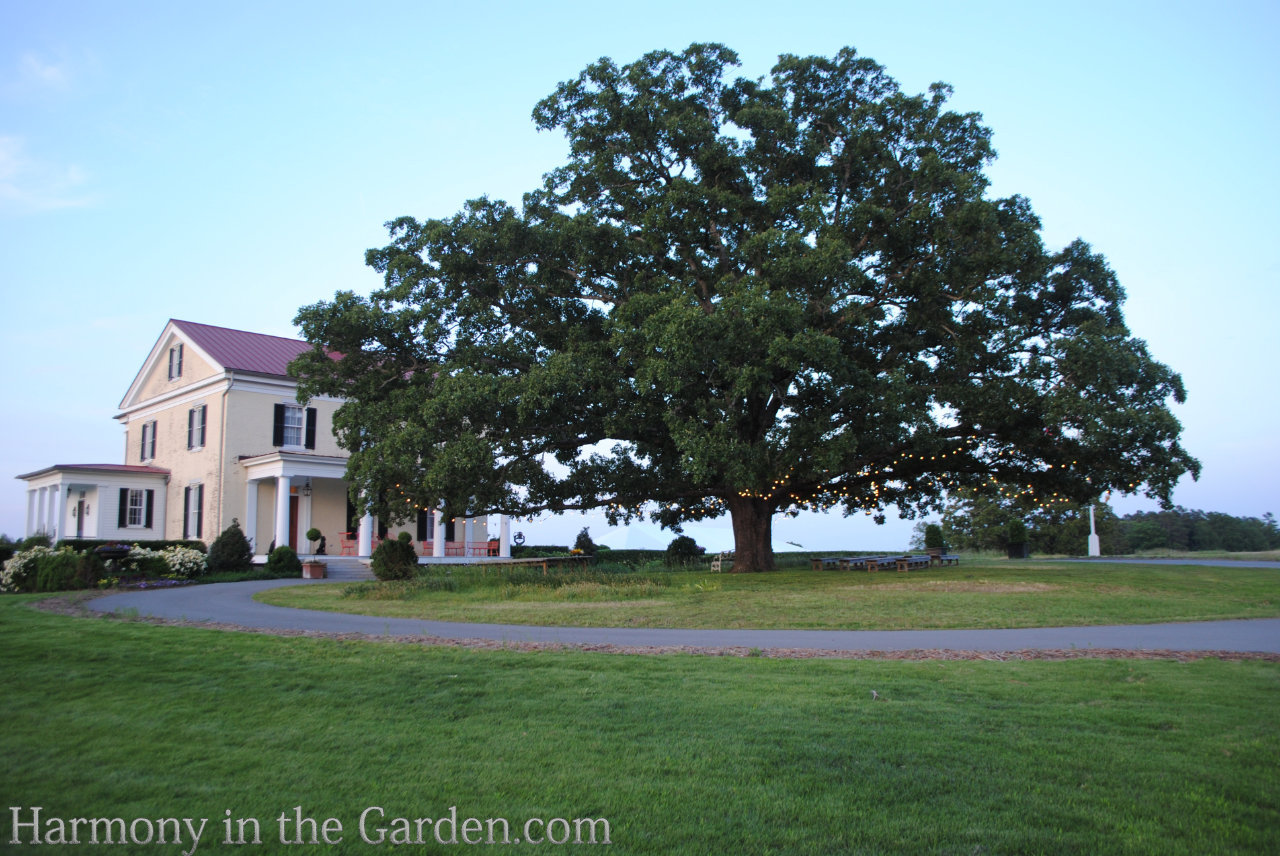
(1063, 528)
(284, 562)
(538, 551)
(1015, 532)
(157, 544)
(682, 550)
(395, 560)
(313, 534)
(39, 539)
(230, 551)
(404, 538)
(57, 571)
(7, 549)
(743, 296)
(584, 542)
(933, 537)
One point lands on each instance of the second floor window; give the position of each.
(148, 440)
(295, 427)
(196, 426)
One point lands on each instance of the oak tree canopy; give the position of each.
(742, 296)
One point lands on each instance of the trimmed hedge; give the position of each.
(93, 543)
(394, 560)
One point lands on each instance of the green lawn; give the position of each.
(987, 594)
(681, 754)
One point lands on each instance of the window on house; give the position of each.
(196, 426)
(136, 507)
(175, 362)
(193, 511)
(148, 440)
(294, 426)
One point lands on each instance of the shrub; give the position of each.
(584, 542)
(7, 549)
(184, 562)
(82, 544)
(19, 572)
(284, 562)
(395, 560)
(933, 537)
(145, 562)
(683, 550)
(230, 552)
(56, 571)
(40, 539)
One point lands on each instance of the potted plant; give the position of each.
(313, 535)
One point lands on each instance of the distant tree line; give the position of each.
(984, 524)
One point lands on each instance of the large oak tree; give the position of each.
(746, 297)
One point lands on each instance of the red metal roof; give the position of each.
(243, 351)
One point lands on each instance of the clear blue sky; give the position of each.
(230, 162)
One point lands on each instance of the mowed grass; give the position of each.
(984, 595)
(681, 754)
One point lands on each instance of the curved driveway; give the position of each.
(233, 603)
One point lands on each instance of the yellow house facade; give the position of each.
(214, 432)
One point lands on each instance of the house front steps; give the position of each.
(344, 568)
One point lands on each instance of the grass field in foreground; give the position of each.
(681, 754)
(990, 594)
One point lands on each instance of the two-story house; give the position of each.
(214, 432)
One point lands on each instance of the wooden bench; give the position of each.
(948, 559)
(828, 563)
(873, 563)
(906, 563)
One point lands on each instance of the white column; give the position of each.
(282, 511)
(1095, 545)
(504, 536)
(32, 498)
(304, 519)
(250, 527)
(437, 549)
(42, 508)
(64, 509)
(53, 514)
(365, 547)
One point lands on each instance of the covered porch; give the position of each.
(289, 493)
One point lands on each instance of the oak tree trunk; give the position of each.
(752, 534)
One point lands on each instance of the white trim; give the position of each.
(159, 353)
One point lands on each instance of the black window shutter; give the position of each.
(123, 519)
(151, 497)
(382, 529)
(200, 511)
(179, 361)
(277, 430)
(152, 449)
(143, 453)
(311, 428)
(424, 520)
(186, 507)
(191, 423)
(204, 413)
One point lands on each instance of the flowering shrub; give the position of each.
(184, 562)
(19, 573)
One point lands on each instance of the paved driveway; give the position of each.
(232, 603)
